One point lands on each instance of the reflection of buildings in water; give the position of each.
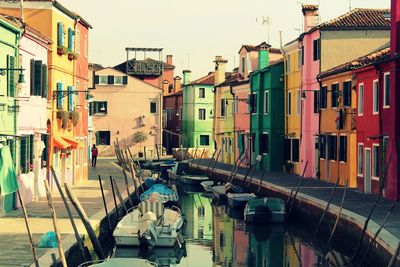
(197, 210)
(241, 243)
(222, 237)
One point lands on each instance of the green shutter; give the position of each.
(45, 82)
(70, 99)
(96, 79)
(70, 39)
(31, 143)
(32, 76)
(110, 79)
(125, 79)
(38, 78)
(59, 96)
(60, 34)
(23, 153)
(11, 76)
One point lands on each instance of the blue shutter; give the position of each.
(70, 39)
(59, 99)
(70, 99)
(62, 98)
(60, 35)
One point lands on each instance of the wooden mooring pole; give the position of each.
(127, 189)
(54, 216)
(194, 156)
(33, 249)
(104, 203)
(297, 190)
(209, 163)
(261, 180)
(121, 200)
(114, 198)
(71, 218)
(85, 220)
(339, 214)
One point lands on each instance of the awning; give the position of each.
(72, 142)
(60, 143)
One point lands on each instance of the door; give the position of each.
(367, 171)
(316, 156)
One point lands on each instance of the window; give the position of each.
(288, 149)
(302, 55)
(361, 99)
(85, 46)
(204, 140)
(289, 103)
(323, 97)
(153, 107)
(100, 107)
(223, 108)
(59, 95)
(118, 80)
(347, 94)
(332, 145)
(292, 150)
(71, 34)
(202, 93)
(103, 79)
(360, 159)
(243, 64)
(253, 142)
(266, 102)
(288, 64)
(316, 101)
(386, 92)
(253, 103)
(316, 49)
(295, 150)
(236, 104)
(11, 76)
(375, 95)
(335, 95)
(60, 34)
(299, 58)
(103, 138)
(322, 151)
(264, 143)
(202, 114)
(39, 81)
(298, 102)
(343, 148)
(375, 160)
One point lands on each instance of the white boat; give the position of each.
(207, 185)
(121, 262)
(150, 223)
(270, 210)
(180, 172)
(239, 200)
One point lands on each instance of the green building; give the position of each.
(266, 105)
(198, 101)
(10, 34)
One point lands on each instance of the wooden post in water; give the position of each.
(104, 202)
(121, 200)
(158, 154)
(327, 207)
(85, 220)
(209, 163)
(54, 216)
(258, 160)
(340, 213)
(261, 180)
(215, 162)
(230, 178)
(33, 249)
(297, 190)
(115, 200)
(186, 152)
(127, 188)
(71, 218)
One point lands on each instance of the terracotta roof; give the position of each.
(358, 63)
(306, 7)
(10, 20)
(232, 78)
(209, 79)
(251, 48)
(275, 50)
(359, 18)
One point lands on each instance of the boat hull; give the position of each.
(270, 218)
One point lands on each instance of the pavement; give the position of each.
(14, 243)
(356, 208)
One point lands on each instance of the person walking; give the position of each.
(95, 152)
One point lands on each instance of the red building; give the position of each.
(172, 128)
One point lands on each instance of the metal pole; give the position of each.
(33, 249)
(340, 213)
(121, 200)
(104, 202)
(71, 218)
(54, 216)
(127, 188)
(261, 180)
(327, 207)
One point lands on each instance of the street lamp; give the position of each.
(21, 78)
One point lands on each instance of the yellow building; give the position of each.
(292, 70)
(59, 24)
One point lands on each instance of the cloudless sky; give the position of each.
(194, 32)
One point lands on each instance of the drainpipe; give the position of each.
(318, 174)
(285, 83)
(233, 116)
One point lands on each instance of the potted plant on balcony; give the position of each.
(62, 50)
(64, 117)
(72, 55)
(288, 167)
(74, 116)
(139, 138)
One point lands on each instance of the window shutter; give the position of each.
(38, 78)
(45, 82)
(32, 76)
(70, 99)
(70, 39)
(11, 76)
(60, 39)
(110, 79)
(59, 98)
(96, 79)
(125, 80)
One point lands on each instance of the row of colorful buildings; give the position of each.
(327, 100)
(43, 97)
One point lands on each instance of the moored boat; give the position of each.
(207, 185)
(121, 262)
(193, 179)
(265, 209)
(239, 200)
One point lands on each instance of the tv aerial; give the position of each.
(266, 21)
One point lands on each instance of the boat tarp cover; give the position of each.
(273, 204)
(165, 193)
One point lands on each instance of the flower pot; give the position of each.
(70, 56)
(60, 50)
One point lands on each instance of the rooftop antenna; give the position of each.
(349, 5)
(266, 21)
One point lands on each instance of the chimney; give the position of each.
(177, 84)
(394, 27)
(186, 77)
(310, 13)
(219, 69)
(169, 59)
(263, 55)
(165, 86)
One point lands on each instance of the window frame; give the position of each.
(95, 104)
(98, 134)
(317, 49)
(156, 108)
(222, 109)
(386, 95)
(345, 148)
(265, 143)
(375, 97)
(266, 102)
(349, 93)
(208, 139)
(203, 95)
(360, 105)
(323, 97)
(200, 112)
(360, 174)
(373, 177)
(116, 80)
(335, 95)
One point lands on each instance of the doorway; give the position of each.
(367, 174)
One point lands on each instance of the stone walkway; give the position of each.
(356, 207)
(14, 244)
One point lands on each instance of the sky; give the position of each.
(194, 32)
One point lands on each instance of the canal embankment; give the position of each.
(312, 199)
